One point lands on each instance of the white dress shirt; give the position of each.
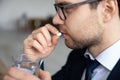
(107, 59)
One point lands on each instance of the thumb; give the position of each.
(44, 75)
(55, 39)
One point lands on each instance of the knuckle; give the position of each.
(25, 41)
(33, 32)
(34, 42)
(47, 25)
(38, 35)
(43, 28)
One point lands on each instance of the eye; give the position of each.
(68, 10)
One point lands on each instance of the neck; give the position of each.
(111, 36)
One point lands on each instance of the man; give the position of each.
(91, 28)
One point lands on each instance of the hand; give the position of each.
(16, 74)
(40, 42)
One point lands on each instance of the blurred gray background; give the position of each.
(18, 18)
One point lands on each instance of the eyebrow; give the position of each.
(63, 3)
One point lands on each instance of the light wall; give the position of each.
(10, 10)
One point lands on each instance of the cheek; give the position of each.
(77, 24)
(76, 27)
(73, 29)
(82, 29)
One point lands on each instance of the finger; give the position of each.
(52, 29)
(6, 77)
(31, 43)
(44, 75)
(55, 40)
(38, 47)
(47, 30)
(41, 39)
(39, 29)
(28, 41)
(47, 35)
(21, 75)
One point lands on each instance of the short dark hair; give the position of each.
(119, 6)
(94, 5)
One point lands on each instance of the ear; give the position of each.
(109, 9)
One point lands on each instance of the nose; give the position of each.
(57, 20)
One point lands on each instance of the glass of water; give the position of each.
(27, 63)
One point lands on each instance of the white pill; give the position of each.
(59, 34)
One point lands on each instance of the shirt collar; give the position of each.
(88, 53)
(109, 57)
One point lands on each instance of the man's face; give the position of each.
(82, 26)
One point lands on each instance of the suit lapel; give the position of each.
(79, 65)
(77, 70)
(115, 74)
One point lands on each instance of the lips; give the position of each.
(64, 35)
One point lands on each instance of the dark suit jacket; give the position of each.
(75, 65)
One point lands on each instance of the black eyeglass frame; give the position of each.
(62, 7)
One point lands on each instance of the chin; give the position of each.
(75, 45)
(71, 45)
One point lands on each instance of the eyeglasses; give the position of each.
(60, 9)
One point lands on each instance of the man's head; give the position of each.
(83, 22)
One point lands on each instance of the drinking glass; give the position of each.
(27, 63)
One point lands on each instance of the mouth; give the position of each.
(64, 34)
